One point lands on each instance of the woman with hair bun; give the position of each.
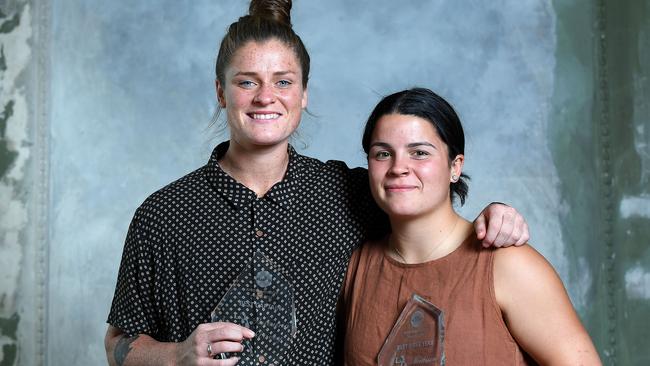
(498, 307)
(188, 242)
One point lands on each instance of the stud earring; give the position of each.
(454, 178)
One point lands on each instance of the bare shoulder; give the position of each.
(522, 273)
(521, 261)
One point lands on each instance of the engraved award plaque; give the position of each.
(417, 336)
(261, 299)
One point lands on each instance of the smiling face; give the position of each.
(409, 167)
(263, 94)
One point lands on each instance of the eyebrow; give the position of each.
(411, 145)
(253, 73)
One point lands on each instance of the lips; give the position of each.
(399, 188)
(264, 116)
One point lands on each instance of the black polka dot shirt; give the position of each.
(188, 242)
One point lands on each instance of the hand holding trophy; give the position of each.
(261, 299)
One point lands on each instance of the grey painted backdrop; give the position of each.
(553, 128)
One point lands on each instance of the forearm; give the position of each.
(139, 350)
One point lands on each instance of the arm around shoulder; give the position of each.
(500, 225)
(538, 311)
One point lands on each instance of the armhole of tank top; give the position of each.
(493, 300)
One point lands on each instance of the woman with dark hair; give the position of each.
(499, 307)
(188, 242)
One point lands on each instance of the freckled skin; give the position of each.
(263, 77)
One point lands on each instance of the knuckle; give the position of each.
(202, 327)
(221, 332)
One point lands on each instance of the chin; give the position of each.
(400, 211)
(404, 214)
(267, 140)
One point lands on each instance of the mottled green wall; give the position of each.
(599, 138)
(625, 112)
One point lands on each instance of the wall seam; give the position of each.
(41, 116)
(606, 189)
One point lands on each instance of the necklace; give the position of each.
(426, 258)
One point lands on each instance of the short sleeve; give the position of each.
(133, 310)
(373, 219)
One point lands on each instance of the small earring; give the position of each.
(454, 178)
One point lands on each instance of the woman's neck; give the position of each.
(258, 168)
(429, 237)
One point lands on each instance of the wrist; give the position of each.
(172, 354)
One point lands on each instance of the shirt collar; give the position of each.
(282, 193)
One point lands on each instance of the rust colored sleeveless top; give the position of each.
(460, 284)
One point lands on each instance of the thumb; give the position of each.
(479, 226)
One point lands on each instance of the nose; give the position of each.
(400, 166)
(265, 95)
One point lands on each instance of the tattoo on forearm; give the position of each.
(122, 349)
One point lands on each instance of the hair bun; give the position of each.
(276, 10)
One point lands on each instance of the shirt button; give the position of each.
(259, 233)
(261, 359)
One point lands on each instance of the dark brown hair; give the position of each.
(266, 20)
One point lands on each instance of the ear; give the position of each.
(304, 98)
(220, 94)
(456, 168)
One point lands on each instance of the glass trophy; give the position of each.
(261, 299)
(417, 338)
